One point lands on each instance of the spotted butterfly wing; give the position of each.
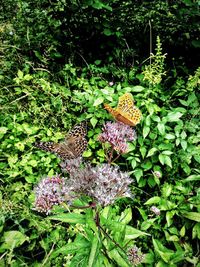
(126, 111)
(74, 145)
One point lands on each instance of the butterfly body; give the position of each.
(126, 111)
(73, 146)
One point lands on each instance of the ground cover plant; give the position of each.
(150, 215)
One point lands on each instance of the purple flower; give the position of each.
(103, 183)
(50, 192)
(110, 184)
(135, 255)
(117, 134)
(157, 174)
(155, 210)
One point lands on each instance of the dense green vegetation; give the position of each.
(59, 62)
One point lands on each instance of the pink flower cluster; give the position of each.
(103, 183)
(50, 192)
(117, 134)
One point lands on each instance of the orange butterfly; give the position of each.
(126, 111)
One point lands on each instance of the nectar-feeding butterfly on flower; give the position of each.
(72, 147)
(126, 111)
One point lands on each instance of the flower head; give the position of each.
(157, 174)
(50, 192)
(110, 184)
(155, 210)
(135, 255)
(103, 183)
(117, 134)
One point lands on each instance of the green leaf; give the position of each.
(98, 101)
(152, 151)
(87, 154)
(107, 32)
(164, 159)
(133, 163)
(3, 130)
(167, 190)
(93, 252)
(138, 174)
(69, 218)
(145, 131)
(164, 253)
(167, 152)
(20, 146)
(133, 233)
(126, 216)
(147, 165)
(148, 120)
(20, 74)
(191, 178)
(196, 43)
(161, 158)
(196, 231)
(97, 62)
(143, 151)
(169, 217)
(174, 116)
(137, 88)
(32, 162)
(169, 136)
(168, 161)
(161, 128)
(153, 200)
(116, 257)
(194, 216)
(182, 231)
(12, 239)
(93, 121)
(184, 144)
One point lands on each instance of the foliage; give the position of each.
(52, 34)
(44, 91)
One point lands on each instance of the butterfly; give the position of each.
(72, 147)
(126, 111)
